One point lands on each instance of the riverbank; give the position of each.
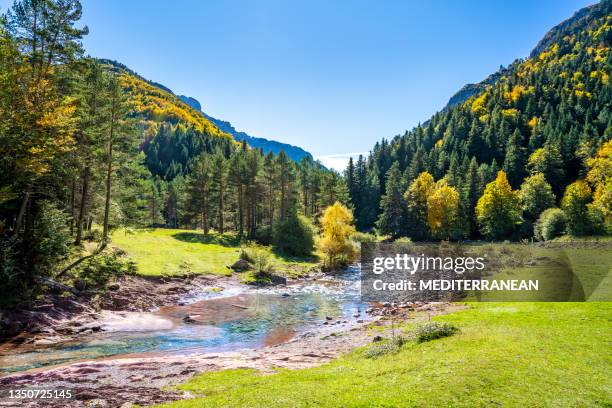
(149, 379)
(58, 318)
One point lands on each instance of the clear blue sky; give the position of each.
(330, 76)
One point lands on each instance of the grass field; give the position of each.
(506, 354)
(160, 251)
(566, 271)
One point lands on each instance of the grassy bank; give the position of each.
(507, 354)
(160, 251)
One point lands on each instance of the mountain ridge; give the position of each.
(296, 153)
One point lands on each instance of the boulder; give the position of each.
(278, 280)
(240, 266)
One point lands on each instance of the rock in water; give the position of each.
(190, 318)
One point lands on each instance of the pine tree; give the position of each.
(392, 218)
(514, 163)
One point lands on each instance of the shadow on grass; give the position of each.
(294, 258)
(227, 240)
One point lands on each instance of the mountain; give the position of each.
(547, 113)
(294, 152)
(574, 23)
(155, 104)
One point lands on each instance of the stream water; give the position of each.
(230, 320)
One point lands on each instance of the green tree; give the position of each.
(536, 196)
(514, 163)
(392, 219)
(200, 187)
(574, 204)
(416, 200)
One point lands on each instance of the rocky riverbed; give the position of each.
(203, 323)
(145, 379)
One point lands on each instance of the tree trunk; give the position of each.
(109, 171)
(72, 205)
(282, 203)
(22, 210)
(83, 207)
(221, 208)
(240, 210)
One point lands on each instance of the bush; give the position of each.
(98, 270)
(294, 236)
(50, 239)
(258, 256)
(364, 238)
(551, 224)
(433, 330)
(390, 346)
(263, 234)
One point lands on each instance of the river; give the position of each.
(237, 318)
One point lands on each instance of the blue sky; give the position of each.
(330, 76)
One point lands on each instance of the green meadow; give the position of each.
(506, 354)
(175, 252)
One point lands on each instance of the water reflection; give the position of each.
(246, 320)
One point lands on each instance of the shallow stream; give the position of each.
(233, 319)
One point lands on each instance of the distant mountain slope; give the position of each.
(294, 152)
(547, 114)
(578, 21)
(156, 104)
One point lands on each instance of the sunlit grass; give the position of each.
(160, 251)
(506, 354)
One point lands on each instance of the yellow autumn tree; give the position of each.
(416, 199)
(498, 211)
(600, 178)
(335, 244)
(443, 210)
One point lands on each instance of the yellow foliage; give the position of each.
(420, 189)
(510, 113)
(478, 105)
(442, 210)
(498, 211)
(600, 166)
(518, 91)
(582, 94)
(160, 105)
(337, 229)
(439, 143)
(533, 122)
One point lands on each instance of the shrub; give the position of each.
(364, 237)
(434, 330)
(258, 256)
(551, 224)
(51, 238)
(295, 235)
(98, 270)
(263, 234)
(390, 346)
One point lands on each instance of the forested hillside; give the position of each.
(528, 138)
(295, 153)
(87, 146)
